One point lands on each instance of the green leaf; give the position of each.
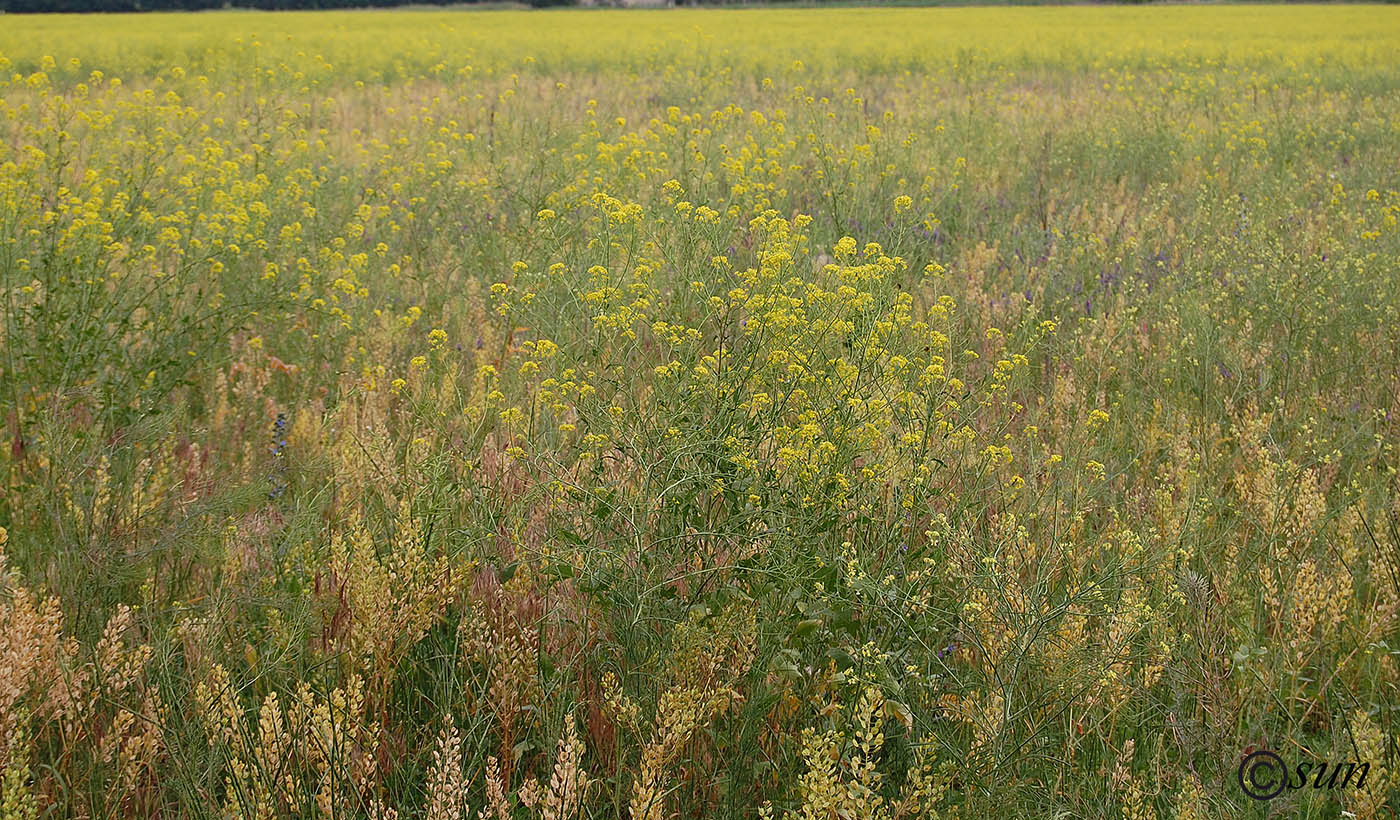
(900, 712)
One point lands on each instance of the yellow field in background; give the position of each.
(364, 43)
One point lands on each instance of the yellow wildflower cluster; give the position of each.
(575, 415)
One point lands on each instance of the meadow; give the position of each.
(807, 413)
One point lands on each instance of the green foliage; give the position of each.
(401, 424)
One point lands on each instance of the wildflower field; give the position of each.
(806, 413)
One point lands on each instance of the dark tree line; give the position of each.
(74, 6)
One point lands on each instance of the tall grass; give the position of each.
(848, 413)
